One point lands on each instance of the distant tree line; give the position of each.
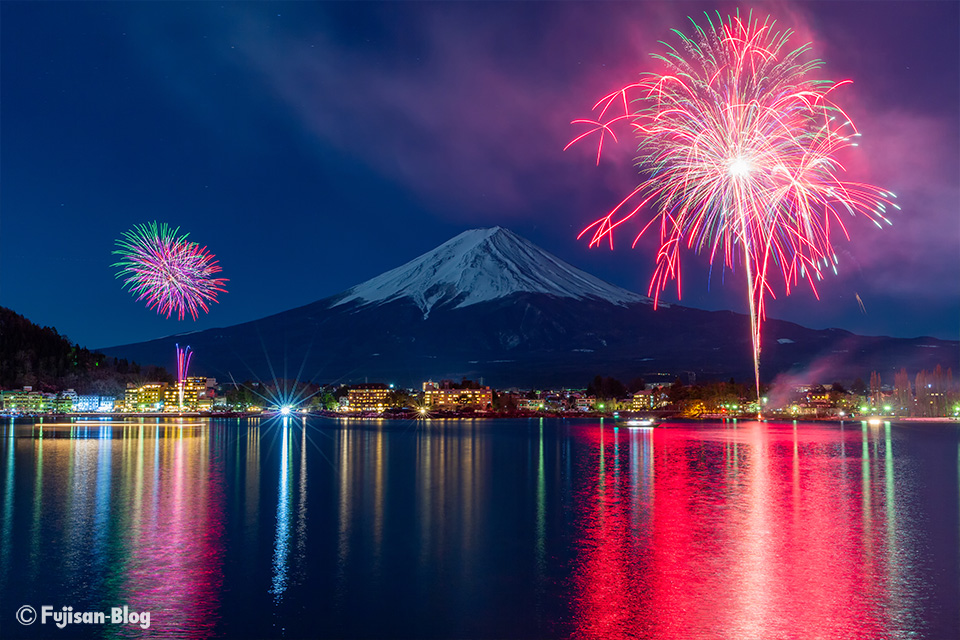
(31, 355)
(608, 388)
(713, 393)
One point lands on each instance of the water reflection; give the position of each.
(281, 545)
(175, 554)
(528, 528)
(742, 532)
(6, 544)
(541, 549)
(451, 502)
(289, 549)
(251, 487)
(132, 514)
(302, 506)
(37, 507)
(344, 509)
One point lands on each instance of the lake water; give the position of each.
(486, 529)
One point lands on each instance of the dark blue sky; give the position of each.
(311, 146)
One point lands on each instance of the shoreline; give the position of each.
(236, 415)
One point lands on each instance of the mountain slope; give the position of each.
(490, 304)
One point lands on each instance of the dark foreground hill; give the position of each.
(31, 355)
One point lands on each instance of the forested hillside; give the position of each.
(42, 358)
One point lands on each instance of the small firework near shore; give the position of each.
(173, 275)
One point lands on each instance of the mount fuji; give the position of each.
(490, 304)
(482, 265)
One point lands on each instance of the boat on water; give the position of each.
(640, 423)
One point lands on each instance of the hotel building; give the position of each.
(367, 397)
(440, 397)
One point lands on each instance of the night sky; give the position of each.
(312, 146)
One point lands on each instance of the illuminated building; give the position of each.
(71, 395)
(171, 398)
(642, 400)
(27, 400)
(445, 397)
(146, 397)
(58, 402)
(129, 398)
(89, 404)
(22, 401)
(529, 404)
(586, 403)
(367, 397)
(196, 390)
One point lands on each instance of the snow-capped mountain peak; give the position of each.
(481, 265)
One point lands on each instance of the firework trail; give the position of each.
(737, 154)
(183, 365)
(170, 273)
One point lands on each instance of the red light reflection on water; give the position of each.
(176, 526)
(749, 531)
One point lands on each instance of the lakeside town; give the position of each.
(928, 395)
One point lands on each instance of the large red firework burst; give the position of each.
(738, 158)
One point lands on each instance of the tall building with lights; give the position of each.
(195, 395)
